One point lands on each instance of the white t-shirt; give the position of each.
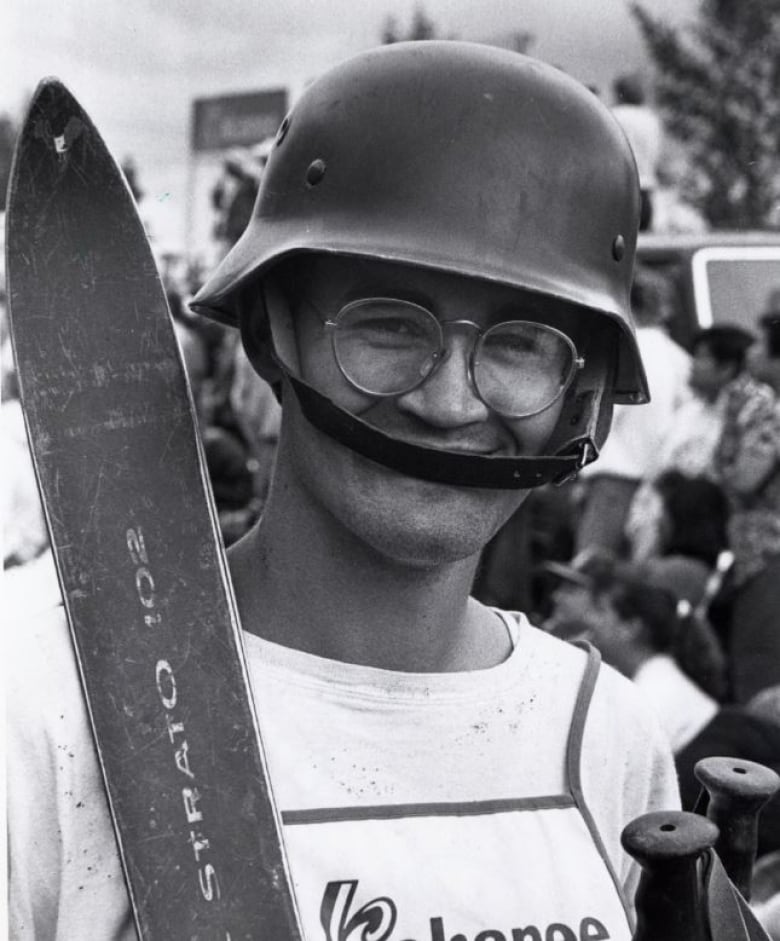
(434, 804)
(683, 708)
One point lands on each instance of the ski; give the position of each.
(135, 538)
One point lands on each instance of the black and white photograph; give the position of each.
(391, 470)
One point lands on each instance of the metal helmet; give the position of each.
(466, 159)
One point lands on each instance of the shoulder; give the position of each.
(624, 715)
(626, 754)
(551, 657)
(43, 691)
(550, 670)
(40, 643)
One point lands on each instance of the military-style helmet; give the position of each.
(466, 159)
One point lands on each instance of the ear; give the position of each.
(587, 407)
(279, 316)
(256, 336)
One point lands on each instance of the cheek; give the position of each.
(318, 368)
(532, 434)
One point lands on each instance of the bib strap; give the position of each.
(573, 765)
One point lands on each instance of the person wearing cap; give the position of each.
(746, 463)
(632, 617)
(436, 281)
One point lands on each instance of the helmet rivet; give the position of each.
(618, 247)
(316, 172)
(283, 129)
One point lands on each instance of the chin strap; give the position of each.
(462, 470)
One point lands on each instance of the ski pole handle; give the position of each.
(737, 791)
(667, 845)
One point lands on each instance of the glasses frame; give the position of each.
(440, 355)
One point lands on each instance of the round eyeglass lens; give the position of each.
(386, 346)
(520, 368)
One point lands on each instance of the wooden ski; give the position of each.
(135, 538)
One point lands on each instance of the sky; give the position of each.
(137, 66)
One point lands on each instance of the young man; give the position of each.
(436, 278)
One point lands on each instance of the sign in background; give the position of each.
(236, 120)
(733, 284)
(219, 124)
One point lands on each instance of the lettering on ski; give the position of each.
(167, 690)
(136, 543)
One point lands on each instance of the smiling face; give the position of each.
(407, 519)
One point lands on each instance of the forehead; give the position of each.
(337, 280)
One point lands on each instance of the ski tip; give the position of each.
(47, 82)
(51, 98)
(54, 121)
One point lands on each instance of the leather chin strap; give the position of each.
(581, 423)
(580, 430)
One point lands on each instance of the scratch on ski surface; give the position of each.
(90, 519)
(66, 352)
(166, 447)
(66, 403)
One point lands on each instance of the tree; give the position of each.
(718, 89)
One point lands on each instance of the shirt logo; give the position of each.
(375, 921)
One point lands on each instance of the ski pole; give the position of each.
(668, 845)
(737, 792)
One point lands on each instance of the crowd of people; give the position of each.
(676, 535)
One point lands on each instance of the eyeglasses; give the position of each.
(388, 347)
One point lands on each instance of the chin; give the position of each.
(421, 523)
(411, 542)
(403, 519)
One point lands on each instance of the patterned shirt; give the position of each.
(750, 439)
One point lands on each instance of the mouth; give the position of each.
(473, 439)
(454, 448)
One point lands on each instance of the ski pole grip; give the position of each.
(667, 845)
(737, 791)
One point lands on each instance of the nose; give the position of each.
(447, 398)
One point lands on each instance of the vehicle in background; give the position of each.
(713, 277)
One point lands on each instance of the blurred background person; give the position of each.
(631, 452)
(644, 130)
(233, 196)
(29, 578)
(746, 464)
(24, 530)
(750, 731)
(634, 622)
(764, 356)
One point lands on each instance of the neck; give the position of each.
(305, 581)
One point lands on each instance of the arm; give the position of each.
(747, 453)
